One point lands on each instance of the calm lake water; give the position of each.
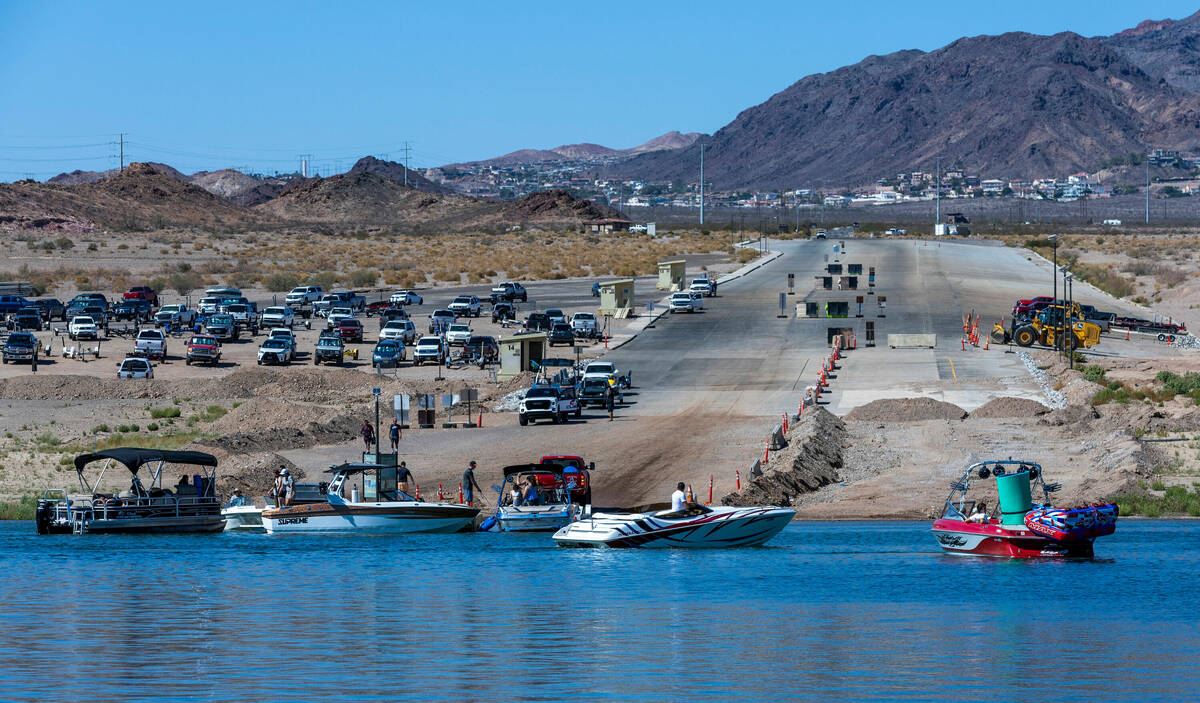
(826, 611)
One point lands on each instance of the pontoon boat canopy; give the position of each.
(133, 458)
(354, 467)
(533, 468)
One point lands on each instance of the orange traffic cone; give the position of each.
(710, 486)
(480, 423)
(440, 496)
(1127, 334)
(738, 476)
(460, 493)
(767, 452)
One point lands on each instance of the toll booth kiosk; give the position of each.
(616, 298)
(518, 351)
(672, 275)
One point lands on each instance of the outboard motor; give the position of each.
(43, 516)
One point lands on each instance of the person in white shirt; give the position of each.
(678, 499)
(289, 487)
(980, 514)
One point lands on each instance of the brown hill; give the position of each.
(1010, 105)
(578, 152)
(142, 197)
(77, 177)
(365, 199)
(396, 172)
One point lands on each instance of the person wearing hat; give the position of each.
(289, 486)
(468, 483)
(237, 499)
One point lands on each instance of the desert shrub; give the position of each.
(1105, 279)
(364, 278)
(325, 279)
(160, 413)
(153, 427)
(279, 282)
(185, 282)
(1094, 373)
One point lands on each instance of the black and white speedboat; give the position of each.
(189, 506)
(697, 526)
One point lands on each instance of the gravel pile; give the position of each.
(906, 410)
(1057, 400)
(1009, 407)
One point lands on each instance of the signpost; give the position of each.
(782, 305)
(400, 408)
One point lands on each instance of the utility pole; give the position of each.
(406, 151)
(1147, 191)
(120, 144)
(937, 189)
(702, 183)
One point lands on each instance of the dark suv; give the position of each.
(27, 319)
(561, 333)
(503, 311)
(21, 346)
(483, 346)
(51, 308)
(537, 321)
(138, 309)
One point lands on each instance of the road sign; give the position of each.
(400, 408)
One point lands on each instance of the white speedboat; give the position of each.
(246, 516)
(545, 498)
(380, 507)
(697, 526)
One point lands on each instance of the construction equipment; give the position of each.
(1044, 328)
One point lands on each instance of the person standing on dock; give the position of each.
(289, 487)
(469, 484)
(368, 435)
(394, 434)
(610, 399)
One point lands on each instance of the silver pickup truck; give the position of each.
(151, 344)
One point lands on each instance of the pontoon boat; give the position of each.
(190, 506)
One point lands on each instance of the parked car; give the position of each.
(151, 344)
(350, 329)
(98, 313)
(548, 403)
(406, 297)
(682, 302)
(561, 333)
(83, 327)
(503, 311)
(303, 295)
(177, 314)
(703, 286)
(458, 334)
(278, 316)
(12, 303)
(142, 293)
(431, 349)
(134, 310)
(336, 315)
(90, 299)
(392, 314)
(466, 305)
(605, 370)
(388, 353)
(378, 307)
(403, 330)
(330, 349)
(285, 334)
(231, 300)
(223, 327)
(51, 308)
(350, 299)
(440, 320)
(203, 349)
(593, 391)
(243, 316)
(134, 367)
(537, 321)
(29, 318)
(21, 346)
(484, 346)
(1028, 307)
(509, 291)
(556, 315)
(275, 350)
(208, 305)
(584, 324)
(326, 304)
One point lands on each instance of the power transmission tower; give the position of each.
(407, 149)
(702, 183)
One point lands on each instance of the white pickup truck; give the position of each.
(302, 295)
(278, 316)
(175, 315)
(703, 286)
(548, 403)
(83, 327)
(584, 324)
(151, 344)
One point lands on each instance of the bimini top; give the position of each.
(555, 469)
(133, 457)
(354, 467)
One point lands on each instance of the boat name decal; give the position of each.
(292, 520)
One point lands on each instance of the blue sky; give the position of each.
(253, 85)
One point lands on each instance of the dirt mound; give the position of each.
(906, 410)
(557, 205)
(1076, 416)
(253, 474)
(811, 460)
(1009, 407)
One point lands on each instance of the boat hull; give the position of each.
(517, 520)
(991, 540)
(379, 518)
(721, 527)
(243, 519)
(158, 525)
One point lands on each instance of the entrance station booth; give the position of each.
(672, 275)
(517, 351)
(616, 298)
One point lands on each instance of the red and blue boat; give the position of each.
(1017, 528)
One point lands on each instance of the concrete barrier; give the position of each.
(900, 341)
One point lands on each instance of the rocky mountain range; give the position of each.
(580, 152)
(1013, 105)
(146, 196)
